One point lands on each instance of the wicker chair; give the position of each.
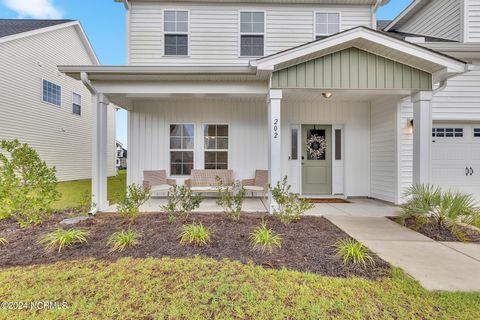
(257, 184)
(207, 180)
(157, 181)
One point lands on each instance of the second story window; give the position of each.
(76, 104)
(252, 34)
(326, 23)
(175, 28)
(52, 93)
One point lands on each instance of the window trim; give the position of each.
(203, 142)
(315, 34)
(264, 33)
(170, 150)
(81, 104)
(164, 33)
(41, 93)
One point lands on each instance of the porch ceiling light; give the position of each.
(327, 95)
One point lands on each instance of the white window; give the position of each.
(175, 28)
(326, 23)
(216, 146)
(182, 143)
(447, 132)
(77, 104)
(476, 132)
(252, 34)
(52, 93)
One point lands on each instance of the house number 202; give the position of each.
(275, 129)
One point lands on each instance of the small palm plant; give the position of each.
(264, 239)
(3, 242)
(61, 239)
(122, 240)
(194, 235)
(352, 251)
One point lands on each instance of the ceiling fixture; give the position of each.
(327, 95)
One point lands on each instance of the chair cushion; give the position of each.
(254, 188)
(160, 188)
(207, 189)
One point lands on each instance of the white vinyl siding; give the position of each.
(383, 149)
(61, 138)
(440, 19)
(473, 21)
(214, 29)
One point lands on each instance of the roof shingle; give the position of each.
(10, 27)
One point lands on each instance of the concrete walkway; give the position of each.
(436, 265)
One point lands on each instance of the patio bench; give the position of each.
(157, 181)
(209, 180)
(257, 184)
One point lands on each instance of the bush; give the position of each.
(231, 198)
(129, 202)
(446, 208)
(194, 235)
(264, 239)
(290, 206)
(28, 187)
(85, 203)
(3, 242)
(182, 201)
(122, 240)
(352, 251)
(61, 239)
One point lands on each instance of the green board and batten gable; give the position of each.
(351, 69)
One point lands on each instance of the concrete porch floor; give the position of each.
(356, 207)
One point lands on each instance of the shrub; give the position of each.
(290, 206)
(231, 198)
(264, 239)
(28, 187)
(131, 199)
(194, 235)
(446, 208)
(182, 201)
(3, 242)
(122, 240)
(352, 251)
(85, 203)
(61, 239)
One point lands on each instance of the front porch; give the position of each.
(361, 207)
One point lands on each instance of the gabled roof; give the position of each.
(370, 40)
(10, 27)
(354, 2)
(406, 14)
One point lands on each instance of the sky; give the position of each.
(104, 24)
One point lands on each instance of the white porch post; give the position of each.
(99, 152)
(274, 142)
(422, 136)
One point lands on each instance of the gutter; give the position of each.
(87, 83)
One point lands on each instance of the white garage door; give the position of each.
(456, 157)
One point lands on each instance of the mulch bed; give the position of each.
(307, 243)
(437, 233)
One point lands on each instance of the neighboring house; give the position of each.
(43, 107)
(306, 89)
(121, 160)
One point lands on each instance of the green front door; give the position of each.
(316, 159)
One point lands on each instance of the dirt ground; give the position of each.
(307, 243)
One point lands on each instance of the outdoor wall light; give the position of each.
(327, 95)
(410, 126)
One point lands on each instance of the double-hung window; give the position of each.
(476, 132)
(182, 141)
(175, 29)
(216, 146)
(77, 104)
(326, 23)
(252, 33)
(52, 93)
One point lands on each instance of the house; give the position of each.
(307, 89)
(121, 156)
(43, 107)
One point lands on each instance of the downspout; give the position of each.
(93, 91)
(374, 13)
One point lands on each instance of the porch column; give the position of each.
(274, 142)
(422, 136)
(99, 152)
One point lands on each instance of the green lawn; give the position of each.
(201, 288)
(72, 191)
